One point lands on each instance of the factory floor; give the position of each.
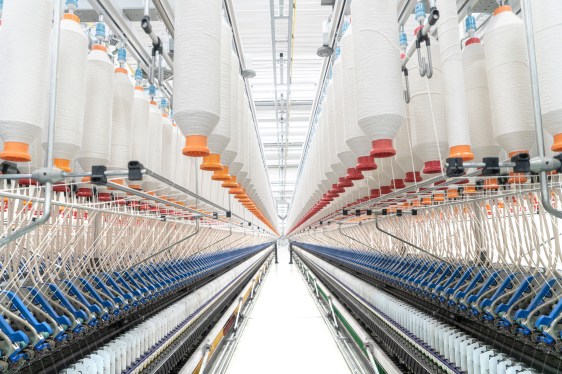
(285, 332)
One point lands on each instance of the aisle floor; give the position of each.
(285, 332)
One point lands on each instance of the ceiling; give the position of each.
(279, 40)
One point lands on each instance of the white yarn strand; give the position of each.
(141, 110)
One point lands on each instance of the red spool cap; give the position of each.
(366, 163)
(432, 167)
(354, 174)
(382, 148)
(344, 183)
(413, 176)
(398, 183)
(375, 193)
(104, 197)
(386, 190)
(84, 192)
(472, 41)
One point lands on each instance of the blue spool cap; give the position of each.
(69, 3)
(1, 4)
(470, 23)
(122, 55)
(338, 52)
(138, 74)
(420, 11)
(345, 26)
(100, 30)
(152, 90)
(403, 39)
(164, 103)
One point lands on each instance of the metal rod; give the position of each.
(545, 192)
(58, 11)
(407, 242)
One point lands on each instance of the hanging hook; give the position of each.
(407, 81)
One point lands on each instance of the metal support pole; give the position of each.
(545, 191)
(290, 253)
(332, 311)
(276, 261)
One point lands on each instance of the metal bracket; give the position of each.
(98, 175)
(135, 171)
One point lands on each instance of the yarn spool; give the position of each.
(336, 167)
(96, 140)
(355, 138)
(122, 121)
(154, 149)
(405, 157)
(237, 164)
(509, 82)
(169, 145)
(456, 113)
(478, 100)
(427, 111)
(73, 52)
(220, 137)
(345, 156)
(141, 113)
(197, 72)
(380, 113)
(24, 80)
(547, 22)
(231, 151)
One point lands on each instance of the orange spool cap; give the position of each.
(211, 162)
(196, 146)
(557, 146)
(231, 183)
(63, 164)
(461, 151)
(221, 175)
(16, 152)
(491, 184)
(501, 9)
(71, 17)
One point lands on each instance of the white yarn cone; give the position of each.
(380, 112)
(96, 140)
(154, 149)
(478, 99)
(547, 21)
(197, 71)
(220, 137)
(73, 52)
(24, 76)
(509, 82)
(122, 121)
